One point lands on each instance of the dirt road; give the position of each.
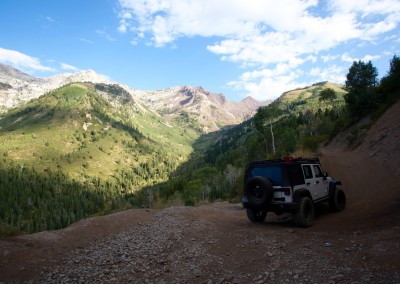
(217, 244)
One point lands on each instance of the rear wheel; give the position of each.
(337, 202)
(256, 215)
(304, 216)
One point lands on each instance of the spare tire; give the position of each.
(259, 191)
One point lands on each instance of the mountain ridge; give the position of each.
(212, 111)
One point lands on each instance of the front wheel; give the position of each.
(337, 202)
(256, 215)
(304, 216)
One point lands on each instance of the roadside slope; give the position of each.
(370, 173)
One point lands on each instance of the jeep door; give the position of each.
(314, 180)
(321, 184)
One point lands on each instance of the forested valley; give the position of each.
(88, 149)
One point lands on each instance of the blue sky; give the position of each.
(239, 48)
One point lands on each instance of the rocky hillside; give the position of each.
(211, 110)
(17, 87)
(207, 110)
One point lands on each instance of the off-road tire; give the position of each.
(257, 216)
(259, 191)
(337, 201)
(304, 216)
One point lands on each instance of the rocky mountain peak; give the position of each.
(25, 87)
(211, 110)
(251, 103)
(8, 73)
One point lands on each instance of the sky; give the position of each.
(240, 48)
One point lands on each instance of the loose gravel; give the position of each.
(175, 248)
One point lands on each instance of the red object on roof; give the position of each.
(288, 159)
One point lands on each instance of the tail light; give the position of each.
(286, 190)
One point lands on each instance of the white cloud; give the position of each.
(332, 73)
(86, 40)
(265, 84)
(261, 49)
(50, 19)
(330, 57)
(122, 28)
(346, 58)
(391, 37)
(65, 66)
(369, 57)
(365, 7)
(22, 61)
(105, 35)
(225, 18)
(265, 34)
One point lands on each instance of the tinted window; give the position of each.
(296, 175)
(317, 171)
(273, 173)
(307, 172)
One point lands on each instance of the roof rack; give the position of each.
(289, 160)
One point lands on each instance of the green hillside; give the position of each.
(308, 97)
(299, 114)
(87, 149)
(300, 124)
(95, 137)
(81, 133)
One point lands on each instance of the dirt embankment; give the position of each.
(217, 244)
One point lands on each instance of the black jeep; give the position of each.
(289, 185)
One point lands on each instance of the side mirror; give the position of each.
(325, 175)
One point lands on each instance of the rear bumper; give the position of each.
(277, 207)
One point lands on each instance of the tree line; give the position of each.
(281, 129)
(32, 201)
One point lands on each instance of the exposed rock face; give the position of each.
(19, 87)
(211, 110)
(8, 72)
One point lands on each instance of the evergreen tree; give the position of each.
(361, 86)
(390, 84)
(328, 94)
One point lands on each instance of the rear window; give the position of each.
(272, 172)
(296, 175)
